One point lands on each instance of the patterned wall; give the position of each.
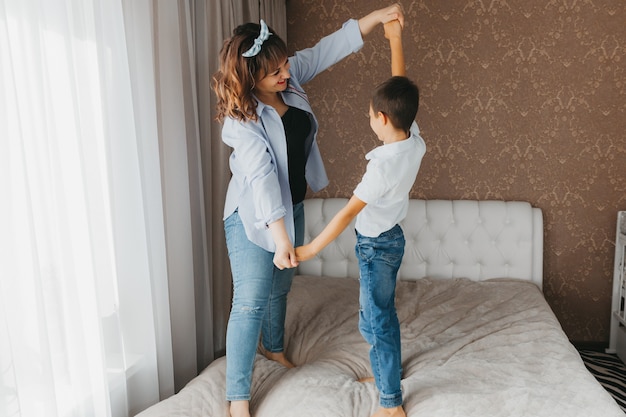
(520, 100)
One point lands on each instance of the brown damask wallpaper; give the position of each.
(520, 100)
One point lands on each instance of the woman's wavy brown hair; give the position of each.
(235, 80)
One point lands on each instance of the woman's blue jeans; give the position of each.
(379, 261)
(259, 303)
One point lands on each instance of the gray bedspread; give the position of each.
(491, 348)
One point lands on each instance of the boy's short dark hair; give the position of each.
(398, 98)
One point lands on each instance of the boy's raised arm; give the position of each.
(393, 32)
(333, 229)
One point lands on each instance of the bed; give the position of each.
(478, 337)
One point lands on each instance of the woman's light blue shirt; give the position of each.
(259, 186)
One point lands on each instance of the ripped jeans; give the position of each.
(259, 303)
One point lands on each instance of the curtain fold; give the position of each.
(275, 13)
(138, 17)
(208, 39)
(84, 330)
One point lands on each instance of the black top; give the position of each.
(297, 128)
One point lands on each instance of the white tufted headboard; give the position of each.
(444, 239)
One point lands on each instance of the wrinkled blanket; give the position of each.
(491, 348)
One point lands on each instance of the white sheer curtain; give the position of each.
(84, 319)
(114, 278)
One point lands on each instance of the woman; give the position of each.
(269, 124)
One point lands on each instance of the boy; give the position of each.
(380, 202)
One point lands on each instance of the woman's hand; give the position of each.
(393, 12)
(285, 255)
(387, 14)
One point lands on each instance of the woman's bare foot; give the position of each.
(390, 412)
(278, 357)
(240, 408)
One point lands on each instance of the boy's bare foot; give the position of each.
(240, 408)
(390, 412)
(278, 357)
(366, 379)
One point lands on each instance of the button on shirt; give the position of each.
(385, 186)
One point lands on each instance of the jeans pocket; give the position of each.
(392, 256)
(365, 252)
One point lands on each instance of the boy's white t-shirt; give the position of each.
(388, 179)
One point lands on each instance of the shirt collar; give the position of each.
(391, 148)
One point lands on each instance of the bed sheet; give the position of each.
(491, 348)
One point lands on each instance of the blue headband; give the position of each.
(256, 47)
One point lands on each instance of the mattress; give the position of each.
(490, 348)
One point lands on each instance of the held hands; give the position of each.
(393, 29)
(285, 257)
(391, 13)
(369, 22)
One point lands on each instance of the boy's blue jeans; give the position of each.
(379, 261)
(259, 303)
